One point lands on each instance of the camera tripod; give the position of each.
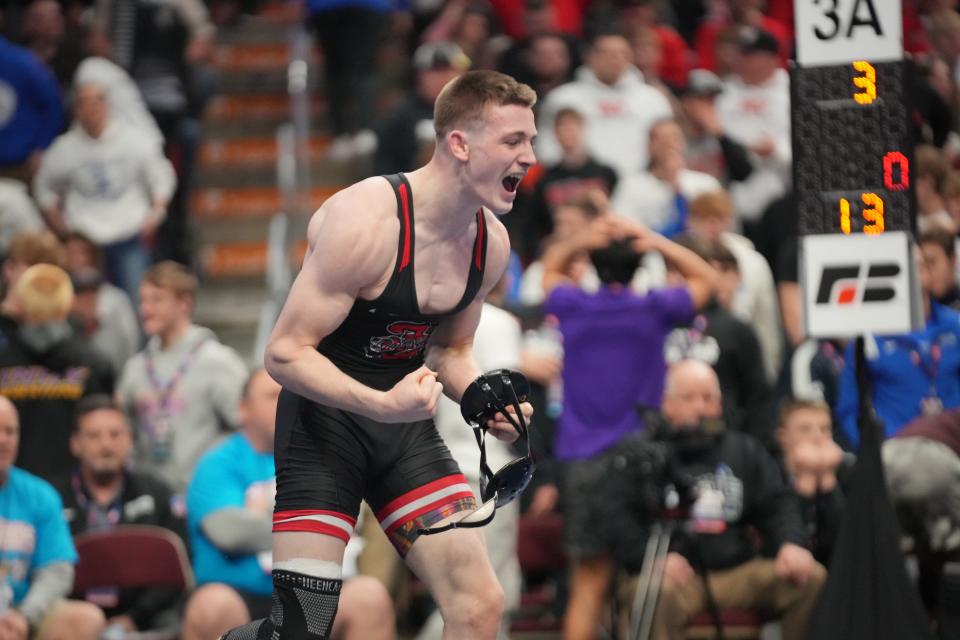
(651, 579)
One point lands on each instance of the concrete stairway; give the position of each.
(236, 193)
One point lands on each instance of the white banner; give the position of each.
(858, 284)
(840, 31)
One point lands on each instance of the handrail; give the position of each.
(293, 180)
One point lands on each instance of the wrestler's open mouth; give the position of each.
(511, 182)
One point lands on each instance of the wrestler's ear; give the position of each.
(458, 141)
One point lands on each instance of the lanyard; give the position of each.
(165, 391)
(91, 510)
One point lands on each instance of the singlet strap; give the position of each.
(477, 265)
(406, 239)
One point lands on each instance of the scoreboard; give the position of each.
(853, 168)
(852, 148)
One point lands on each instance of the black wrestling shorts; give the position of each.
(328, 460)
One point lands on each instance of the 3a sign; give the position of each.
(832, 31)
(858, 284)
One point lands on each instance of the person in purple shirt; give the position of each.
(613, 365)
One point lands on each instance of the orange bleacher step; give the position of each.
(249, 201)
(281, 12)
(249, 152)
(256, 57)
(244, 260)
(255, 106)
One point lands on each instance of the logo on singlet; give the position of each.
(406, 340)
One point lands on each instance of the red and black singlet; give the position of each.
(382, 340)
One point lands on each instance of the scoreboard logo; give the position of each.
(841, 284)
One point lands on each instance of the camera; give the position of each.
(654, 478)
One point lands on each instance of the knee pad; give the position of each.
(303, 606)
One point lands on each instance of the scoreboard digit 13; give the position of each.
(853, 168)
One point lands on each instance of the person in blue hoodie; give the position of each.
(31, 108)
(912, 374)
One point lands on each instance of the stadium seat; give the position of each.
(133, 556)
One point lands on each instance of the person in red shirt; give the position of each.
(730, 14)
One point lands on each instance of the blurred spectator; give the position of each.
(934, 96)
(938, 252)
(526, 17)
(575, 173)
(542, 60)
(101, 493)
(166, 48)
(181, 391)
(660, 196)
(37, 553)
(472, 26)
(647, 56)
(945, 38)
(811, 461)
(755, 302)
(498, 343)
(754, 110)
(18, 213)
(912, 374)
(931, 175)
(26, 249)
(709, 148)
(674, 59)
(230, 506)
(951, 196)
(124, 101)
(727, 344)
(569, 219)
(349, 32)
(157, 43)
(738, 485)
(613, 364)
(107, 180)
(726, 17)
(43, 31)
(406, 135)
(31, 109)
(103, 312)
(618, 107)
(45, 369)
(923, 476)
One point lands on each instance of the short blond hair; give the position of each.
(713, 204)
(44, 294)
(174, 277)
(462, 102)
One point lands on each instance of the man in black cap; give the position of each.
(406, 135)
(709, 148)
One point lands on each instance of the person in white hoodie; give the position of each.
(754, 110)
(618, 106)
(108, 180)
(182, 391)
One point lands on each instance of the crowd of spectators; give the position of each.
(654, 282)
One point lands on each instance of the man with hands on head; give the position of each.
(737, 484)
(396, 266)
(613, 342)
